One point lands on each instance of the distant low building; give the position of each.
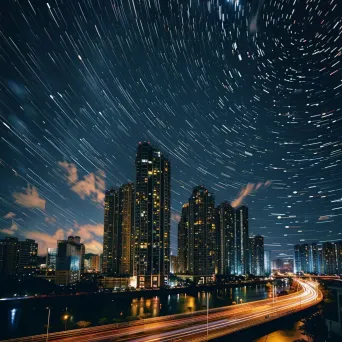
(51, 259)
(68, 261)
(18, 258)
(94, 264)
(173, 264)
(267, 262)
(256, 253)
(113, 283)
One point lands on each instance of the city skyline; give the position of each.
(225, 105)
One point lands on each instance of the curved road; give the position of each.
(197, 326)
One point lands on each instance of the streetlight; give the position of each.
(207, 316)
(48, 324)
(65, 317)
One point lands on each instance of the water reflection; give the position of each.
(114, 308)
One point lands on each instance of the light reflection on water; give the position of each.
(114, 308)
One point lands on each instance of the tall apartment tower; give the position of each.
(297, 260)
(241, 241)
(152, 217)
(202, 234)
(118, 243)
(303, 257)
(111, 227)
(329, 258)
(339, 256)
(256, 252)
(225, 227)
(267, 262)
(183, 240)
(314, 259)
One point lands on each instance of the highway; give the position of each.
(197, 326)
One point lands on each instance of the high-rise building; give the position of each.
(320, 260)
(339, 256)
(302, 258)
(256, 252)
(28, 253)
(314, 259)
(288, 265)
(111, 227)
(126, 246)
(173, 264)
(225, 228)
(202, 234)
(94, 264)
(68, 261)
(82, 270)
(267, 262)
(118, 238)
(329, 258)
(183, 240)
(241, 241)
(152, 217)
(51, 259)
(277, 264)
(9, 258)
(297, 258)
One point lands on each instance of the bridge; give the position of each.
(306, 275)
(201, 325)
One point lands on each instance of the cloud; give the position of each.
(9, 215)
(175, 217)
(87, 232)
(50, 220)
(71, 170)
(324, 218)
(11, 230)
(94, 247)
(30, 198)
(92, 186)
(246, 190)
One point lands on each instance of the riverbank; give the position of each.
(104, 308)
(145, 292)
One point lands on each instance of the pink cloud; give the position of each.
(324, 218)
(9, 215)
(30, 198)
(88, 234)
(71, 170)
(88, 231)
(11, 230)
(175, 217)
(246, 190)
(93, 246)
(92, 185)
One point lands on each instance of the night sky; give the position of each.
(244, 97)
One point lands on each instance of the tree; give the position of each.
(314, 327)
(103, 320)
(83, 324)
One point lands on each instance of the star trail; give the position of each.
(242, 96)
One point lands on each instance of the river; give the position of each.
(29, 317)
